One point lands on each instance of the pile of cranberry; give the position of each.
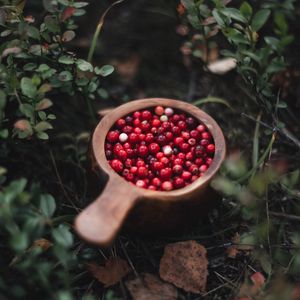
(159, 148)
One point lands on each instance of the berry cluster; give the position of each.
(159, 149)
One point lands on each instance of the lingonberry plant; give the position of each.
(159, 148)
(36, 66)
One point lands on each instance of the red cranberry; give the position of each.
(141, 184)
(176, 130)
(155, 123)
(185, 135)
(133, 138)
(189, 156)
(128, 163)
(156, 182)
(127, 129)
(178, 183)
(164, 160)
(113, 136)
(181, 155)
(188, 163)
(159, 110)
(191, 122)
(186, 176)
(181, 125)
(194, 169)
(204, 142)
(192, 141)
(108, 154)
(117, 165)
(142, 172)
(136, 114)
(159, 155)
(137, 130)
(137, 122)
(203, 168)
(149, 138)
(167, 186)
(121, 123)
(130, 152)
(122, 154)
(199, 151)
(154, 148)
(178, 161)
(210, 148)
(176, 118)
(177, 169)
(129, 177)
(146, 115)
(165, 173)
(201, 128)
(198, 161)
(143, 150)
(184, 147)
(117, 148)
(194, 134)
(161, 139)
(208, 161)
(206, 135)
(157, 165)
(178, 141)
(194, 178)
(133, 170)
(140, 163)
(169, 136)
(129, 120)
(152, 188)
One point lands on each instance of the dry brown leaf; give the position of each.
(185, 265)
(151, 287)
(252, 290)
(235, 249)
(112, 272)
(42, 243)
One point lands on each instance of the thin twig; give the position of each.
(285, 216)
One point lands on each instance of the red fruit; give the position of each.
(206, 135)
(159, 155)
(194, 134)
(146, 115)
(194, 177)
(159, 110)
(142, 172)
(199, 161)
(133, 138)
(127, 129)
(201, 128)
(166, 125)
(181, 125)
(199, 151)
(191, 122)
(154, 148)
(176, 130)
(157, 165)
(130, 152)
(128, 163)
(133, 170)
(210, 148)
(204, 142)
(181, 155)
(208, 161)
(141, 184)
(165, 173)
(185, 135)
(121, 123)
(136, 122)
(189, 156)
(137, 130)
(149, 138)
(178, 161)
(175, 118)
(164, 160)
(203, 168)
(122, 154)
(142, 137)
(186, 176)
(113, 136)
(136, 114)
(169, 136)
(178, 141)
(117, 165)
(192, 141)
(178, 183)
(161, 139)
(129, 120)
(126, 145)
(177, 169)
(143, 150)
(188, 163)
(117, 148)
(167, 186)
(108, 146)
(140, 163)
(194, 169)
(108, 154)
(155, 123)
(152, 188)
(185, 147)
(154, 130)
(129, 177)
(156, 182)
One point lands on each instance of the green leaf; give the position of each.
(218, 18)
(234, 14)
(246, 10)
(282, 104)
(43, 126)
(33, 32)
(44, 104)
(67, 60)
(65, 76)
(62, 236)
(84, 65)
(42, 135)
(47, 205)
(259, 19)
(80, 4)
(105, 70)
(2, 99)
(19, 241)
(52, 24)
(28, 88)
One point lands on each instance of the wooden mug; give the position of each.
(100, 222)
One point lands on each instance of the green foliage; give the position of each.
(35, 64)
(34, 249)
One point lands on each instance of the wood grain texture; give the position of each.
(144, 209)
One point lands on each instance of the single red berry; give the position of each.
(178, 183)
(167, 186)
(177, 169)
(146, 115)
(198, 161)
(194, 169)
(181, 155)
(121, 123)
(161, 139)
(201, 128)
(149, 138)
(185, 147)
(117, 148)
(136, 114)
(191, 122)
(154, 130)
(142, 172)
(175, 118)
(108, 154)
(108, 146)
(192, 141)
(141, 183)
(133, 138)
(169, 136)
(189, 156)
(156, 182)
(194, 134)
(140, 163)
(164, 160)
(206, 135)
(133, 169)
(166, 125)
(156, 123)
(188, 163)
(137, 130)
(129, 177)
(186, 176)
(178, 161)
(130, 152)
(176, 130)
(204, 142)
(208, 161)
(143, 151)
(113, 136)
(165, 173)
(154, 148)
(117, 165)
(137, 122)
(128, 163)
(178, 141)
(199, 151)
(126, 145)
(159, 155)
(210, 148)
(127, 129)
(203, 168)
(152, 188)
(122, 154)
(194, 177)
(182, 125)
(129, 120)
(157, 165)
(159, 110)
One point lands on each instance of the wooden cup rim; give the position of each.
(100, 132)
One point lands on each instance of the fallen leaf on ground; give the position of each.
(151, 287)
(42, 243)
(250, 291)
(112, 272)
(237, 248)
(185, 265)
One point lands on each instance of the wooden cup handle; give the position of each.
(100, 222)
